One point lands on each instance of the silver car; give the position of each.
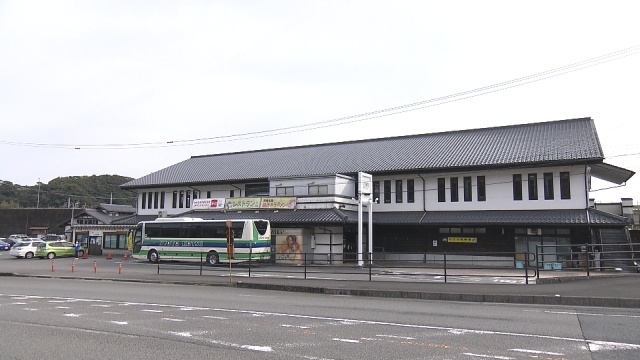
(25, 248)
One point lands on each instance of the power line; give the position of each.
(591, 62)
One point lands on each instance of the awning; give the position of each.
(610, 173)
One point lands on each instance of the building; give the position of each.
(94, 228)
(489, 190)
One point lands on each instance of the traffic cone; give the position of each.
(84, 254)
(109, 255)
(125, 256)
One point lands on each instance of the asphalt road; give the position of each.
(68, 318)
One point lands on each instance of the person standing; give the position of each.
(76, 247)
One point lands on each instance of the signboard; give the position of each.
(261, 203)
(208, 204)
(365, 183)
(464, 240)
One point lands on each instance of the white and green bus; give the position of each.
(196, 239)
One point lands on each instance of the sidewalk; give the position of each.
(555, 288)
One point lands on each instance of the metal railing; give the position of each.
(430, 267)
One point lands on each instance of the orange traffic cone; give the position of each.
(84, 254)
(125, 256)
(109, 255)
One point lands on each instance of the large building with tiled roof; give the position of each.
(484, 190)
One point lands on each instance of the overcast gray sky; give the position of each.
(102, 87)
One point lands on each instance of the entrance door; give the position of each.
(95, 245)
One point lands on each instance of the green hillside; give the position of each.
(80, 191)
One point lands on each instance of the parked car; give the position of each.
(4, 246)
(25, 249)
(53, 249)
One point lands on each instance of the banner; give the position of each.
(261, 203)
(207, 204)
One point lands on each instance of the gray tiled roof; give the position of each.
(565, 140)
(449, 218)
(124, 209)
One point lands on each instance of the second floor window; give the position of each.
(548, 186)
(376, 191)
(410, 191)
(174, 202)
(441, 190)
(287, 191)
(387, 191)
(317, 190)
(482, 188)
(517, 187)
(398, 191)
(144, 200)
(565, 185)
(467, 192)
(188, 199)
(532, 181)
(181, 200)
(453, 182)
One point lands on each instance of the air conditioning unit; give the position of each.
(162, 213)
(532, 231)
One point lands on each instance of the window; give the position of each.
(517, 187)
(410, 191)
(196, 194)
(257, 189)
(150, 200)
(188, 200)
(209, 194)
(398, 191)
(441, 190)
(181, 200)
(232, 193)
(565, 185)
(482, 188)
(156, 198)
(387, 191)
(317, 190)
(548, 186)
(286, 190)
(453, 182)
(144, 200)
(376, 191)
(162, 200)
(532, 181)
(174, 203)
(466, 183)
(115, 241)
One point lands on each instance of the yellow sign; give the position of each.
(465, 240)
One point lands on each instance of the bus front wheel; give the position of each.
(152, 256)
(213, 258)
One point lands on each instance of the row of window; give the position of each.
(532, 186)
(311, 190)
(399, 191)
(467, 189)
(180, 198)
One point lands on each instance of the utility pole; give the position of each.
(38, 204)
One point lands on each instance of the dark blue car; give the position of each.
(4, 246)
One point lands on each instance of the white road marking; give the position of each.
(153, 311)
(537, 352)
(488, 356)
(72, 315)
(296, 326)
(594, 345)
(120, 322)
(347, 340)
(170, 319)
(214, 317)
(397, 337)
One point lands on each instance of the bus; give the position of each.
(197, 239)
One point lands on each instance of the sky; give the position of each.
(129, 87)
